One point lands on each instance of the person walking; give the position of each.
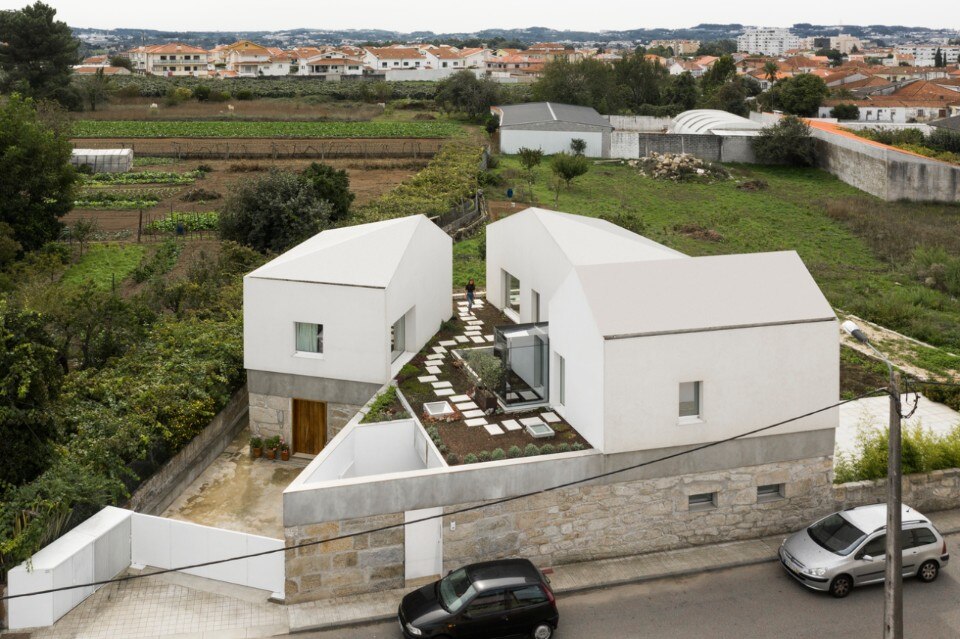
(471, 287)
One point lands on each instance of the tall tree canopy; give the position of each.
(36, 180)
(799, 95)
(466, 93)
(36, 51)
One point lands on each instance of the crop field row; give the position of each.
(242, 129)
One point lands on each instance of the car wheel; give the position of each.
(543, 631)
(928, 571)
(841, 586)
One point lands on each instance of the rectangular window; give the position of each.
(561, 380)
(690, 399)
(511, 291)
(769, 492)
(702, 501)
(398, 338)
(309, 337)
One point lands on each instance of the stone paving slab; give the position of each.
(493, 429)
(478, 421)
(510, 424)
(551, 418)
(433, 370)
(442, 384)
(462, 338)
(434, 356)
(461, 398)
(467, 406)
(427, 378)
(470, 414)
(477, 339)
(448, 342)
(444, 392)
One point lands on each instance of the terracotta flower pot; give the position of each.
(256, 453)
(270, 453)
(285, 455)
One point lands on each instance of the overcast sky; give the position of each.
(447, 16)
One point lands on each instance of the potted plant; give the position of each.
(488, 370)
(284, 450)
(272, 444)
(256, 447)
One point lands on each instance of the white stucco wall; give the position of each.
(573, 336)
(355, 330)
(550, 142)
(750, 377)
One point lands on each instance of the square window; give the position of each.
(702, 501)
(769, 492)
(309, 337)
(690, 399)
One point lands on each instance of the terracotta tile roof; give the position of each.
(95, 59)
(173, 47)
(245, 46)
(394, 53)
(90, 70)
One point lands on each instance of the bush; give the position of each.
(453, 459)
(514, 451)
(922, 452)
(201, 92)
(332, 185)
(529, 158)
(845, 112)
(576, 446)
(531, 450)
(129, 91)
(219, 96)
(177, 95)
(243, 94)
(274, 213)
(786, 142)
(563, 448)
(944, 140)
(470, 458)
(497, 454)
(547, 449)
(578, 146)
(484, 456)
(569, 167)
(199, 195)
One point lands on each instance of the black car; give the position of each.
(490, 600)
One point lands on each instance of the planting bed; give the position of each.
(262, 129)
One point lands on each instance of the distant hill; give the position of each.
(114, 39)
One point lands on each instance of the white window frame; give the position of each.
(698, 417)
(318, 354)
(561, 380)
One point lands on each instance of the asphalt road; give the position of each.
(752, 602)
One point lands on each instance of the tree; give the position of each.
(121, 61)
(29, 381)
(586, 82)
(717, 48)
(845, 112)
(719, 74)
(938, 59)
(836, 58)
(274, 212)
(771, 69)
(731, 96)
(9, 247)
(800, 95)
(332, 185)
(530, 158)
(786, 142)
(96, 88)
(640, 81)
(37, 183)
(36, 51)
(682, 91)
(466, 93)
(569, 167)
(578, 146)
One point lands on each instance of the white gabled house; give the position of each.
(330, 321)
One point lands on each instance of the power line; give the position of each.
(466, 509)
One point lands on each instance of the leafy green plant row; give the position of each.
(120, 198)
(200, 221)
(162, 261)
(144, 177)
(245, 129)
(147, 160)
(451, 176)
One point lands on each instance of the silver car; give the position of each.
(846, 549)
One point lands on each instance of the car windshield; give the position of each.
(456, 589)
(836, 534)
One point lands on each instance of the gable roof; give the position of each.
(588, 240)
(952, 123)
(633, 299)
(539, 112)
(364, 255)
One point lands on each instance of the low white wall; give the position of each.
(109, 542)
(550, 142)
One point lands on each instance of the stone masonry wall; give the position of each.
(927, 492)
(595, 522)
(365, 563)
(272, 415)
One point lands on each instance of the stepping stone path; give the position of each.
(427, 378)
(433, 370)
(462, 338)
(433, 356)
(471, 414)
(493, 429)
(442, 384)
(448, 343)
(444, 392)
(477, 421)
(550, 418)
(461, 398)
(510, 424)
(467, 406)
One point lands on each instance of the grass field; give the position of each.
(247, 129)
(858, 248)
(104, 265)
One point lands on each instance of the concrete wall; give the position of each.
(887, 173)
(712, 148)
(749, 377)
(154, 495)
(639, 123)
(938, 490)
(550, 142)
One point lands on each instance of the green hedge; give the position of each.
(922, 452)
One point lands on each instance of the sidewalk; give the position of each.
(571, 578)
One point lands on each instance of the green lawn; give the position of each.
(798, 211)
(104, 264)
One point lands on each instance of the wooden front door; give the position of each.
(309, 426)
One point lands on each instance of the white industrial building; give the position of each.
(551, 127)
(330, 321)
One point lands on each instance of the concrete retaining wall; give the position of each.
(639, 123)
(158, 492)
(712, 148)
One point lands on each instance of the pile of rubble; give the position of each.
(679, 167)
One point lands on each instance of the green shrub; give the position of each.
(845, 112)
(497, 454)
(380, 407)
(514, 451)
(332, 185)
(531, 450)
(786, 142)
(922, 452)
(453, 459)
(576, 446)
(470, 458)
(201, 92)
(547, 449)
(244, 94)
(563, 448)
(484, 456)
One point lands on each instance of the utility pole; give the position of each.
(893, 570)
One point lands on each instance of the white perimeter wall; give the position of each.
(356, 337)
(109, 542)
(750, 378)
(520, 246)
(550, 142)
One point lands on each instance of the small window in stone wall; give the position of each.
(702, 501)
(769, 492)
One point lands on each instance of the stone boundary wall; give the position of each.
(938, 490)
(159, 491)
(712, 148)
